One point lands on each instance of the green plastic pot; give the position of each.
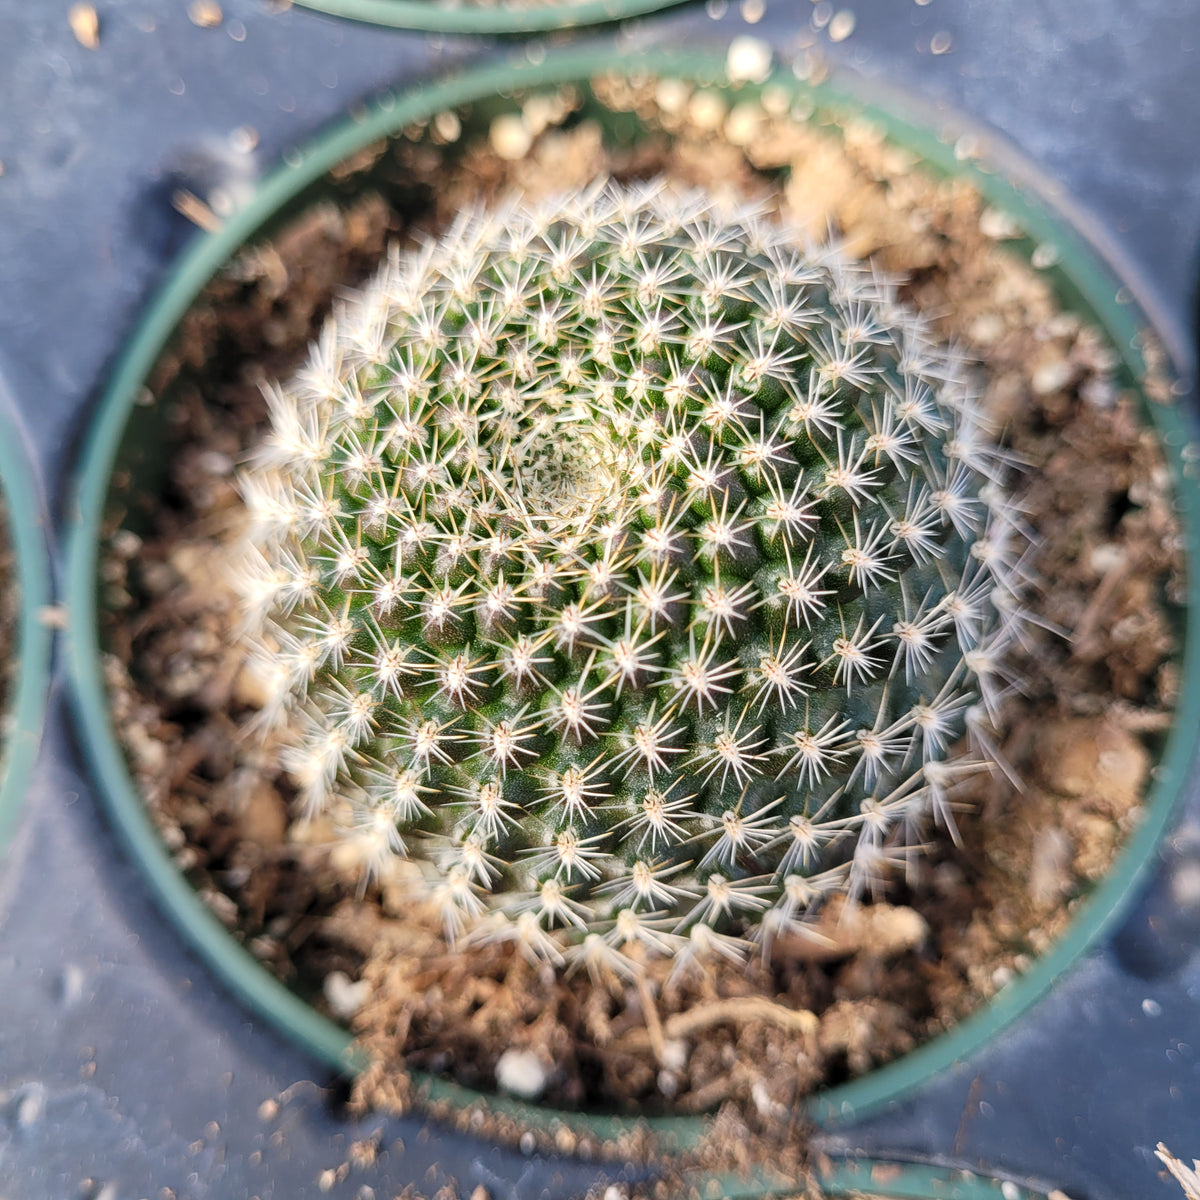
(500, 17)
(25, 705)
(1085, 284)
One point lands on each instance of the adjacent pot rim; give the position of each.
(469, 17)
(26, 705)
(1084, 278)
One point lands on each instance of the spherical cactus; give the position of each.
(633, 567)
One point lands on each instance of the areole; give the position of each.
(1085, 283)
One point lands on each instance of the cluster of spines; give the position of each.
(634, 567)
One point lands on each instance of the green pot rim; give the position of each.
(468, 17)
(26, 707)
(1088, 285)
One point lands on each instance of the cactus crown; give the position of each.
(633, 567)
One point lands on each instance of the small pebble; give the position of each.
(1185, 885)
(672, 95)
(1086, 756)
(842, 25)
(213, 462)
(1106, 557)
(32, 1107)
(540, 112)
(743, 123)
(243, 139)
(85, 25)
(52, 616)
(125, 543)
(343, 996)
(997, 225)
(71, 984)
(966, 147)
(987, 328)
(1052, 377)
(747, 61)
(206, 14)
(706, 110)
(772, 1110)
(1099, 393)
(263, 816)
(447, 126)
(775, 100)
(1044, 256)
(158, 578)
(1050, 868)
(1063, 325)
(510, 137)
(521, 1073)
(252, 686)
(675, 1054)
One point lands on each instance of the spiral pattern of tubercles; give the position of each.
(635, 567)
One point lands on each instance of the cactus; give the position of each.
(631, 567)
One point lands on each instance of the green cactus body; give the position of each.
(633, 567)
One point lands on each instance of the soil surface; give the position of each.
(1098, 679)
